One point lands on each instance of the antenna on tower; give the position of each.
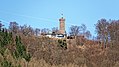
(62, 15)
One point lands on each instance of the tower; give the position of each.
(62, 25)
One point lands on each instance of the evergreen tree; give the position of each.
(20, 51)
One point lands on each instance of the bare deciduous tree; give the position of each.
(45, 31)
(37, 31)
(113, 30)
(1, 25)
(14, 27)
(26, 30)
(55, 30)
(74, 30)
(102, 30)
(88, 34)
(83, 28)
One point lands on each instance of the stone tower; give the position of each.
(62, 25)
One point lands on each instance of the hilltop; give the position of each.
(23, 46)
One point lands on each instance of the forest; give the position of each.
(24, 46)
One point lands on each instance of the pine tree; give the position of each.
(20, 51)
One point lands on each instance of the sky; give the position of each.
(46, 13)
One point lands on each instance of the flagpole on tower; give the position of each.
(62, 14)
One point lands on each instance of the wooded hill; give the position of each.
(22, 46)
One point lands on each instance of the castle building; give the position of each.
(61, 32)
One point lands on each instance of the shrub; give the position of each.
(62, 43)
(6, 63)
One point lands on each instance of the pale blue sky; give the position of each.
(45, 13)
